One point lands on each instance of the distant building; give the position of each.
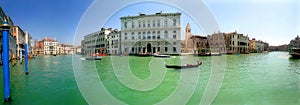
(188, 46)
(153, 33)
(200, 44)
(257, 46)
(113, 42)
(195, 44)
(96, 42)
(78, 50)
(50, 46)
(284, 47)
(236, 42)
(46, 46)
(216, 42)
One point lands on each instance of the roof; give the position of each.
(48, 39)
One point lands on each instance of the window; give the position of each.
(174, 49)
(139, 35)
(166, 43)
(153, 23)
(144, 24)
(174, 22)
(174, 43)
(166, 49)
(166, 35)
(132, 38)
(139, 24)
(158, 43)
(148, 23)
(158, 23)
(125, 24)
(132, 25)
(158, 48)
(166, 22)
(174, 34)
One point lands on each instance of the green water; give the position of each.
(264, 79)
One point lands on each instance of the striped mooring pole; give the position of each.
(5, 50)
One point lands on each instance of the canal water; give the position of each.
(263, 78)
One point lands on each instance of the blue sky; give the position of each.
(274, 21)
(47, 18)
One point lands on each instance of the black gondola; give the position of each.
(184, 66)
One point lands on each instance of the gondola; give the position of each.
(184, 66)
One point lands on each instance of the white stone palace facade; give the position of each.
(153, 33)
(96, 42)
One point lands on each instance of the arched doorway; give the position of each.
(148, 48)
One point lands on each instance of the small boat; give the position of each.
(295, 52)
(184, 66)
(161, 56)
(54, 54)
(94, 58)
(143, 55)
(210, 54)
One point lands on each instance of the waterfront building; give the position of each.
(46, 46)
(295, 43)
(195, 44)
(113, 42)
(65, 49)
(37, 48)
(266, 46)
(49, 46)
(96, 42)
(19, 34)
(236, 43)
(78, 50)
(257, 46)
(60, 49)
(12, 40)
(68, 49)
(284, 47)
(200, 44)
(153, 33)
(188, 46)
(216, 43)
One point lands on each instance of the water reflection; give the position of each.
(294, 65)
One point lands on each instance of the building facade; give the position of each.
(19, 34)
(50, 46)
(153, 33)
(188, 46)
(216, 43)
(12, 40)
(113, 42)
(46, 46)
(96, 42)
(236, 42)
(257, 46)
(200, 44)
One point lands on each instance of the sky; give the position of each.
(273, 21)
